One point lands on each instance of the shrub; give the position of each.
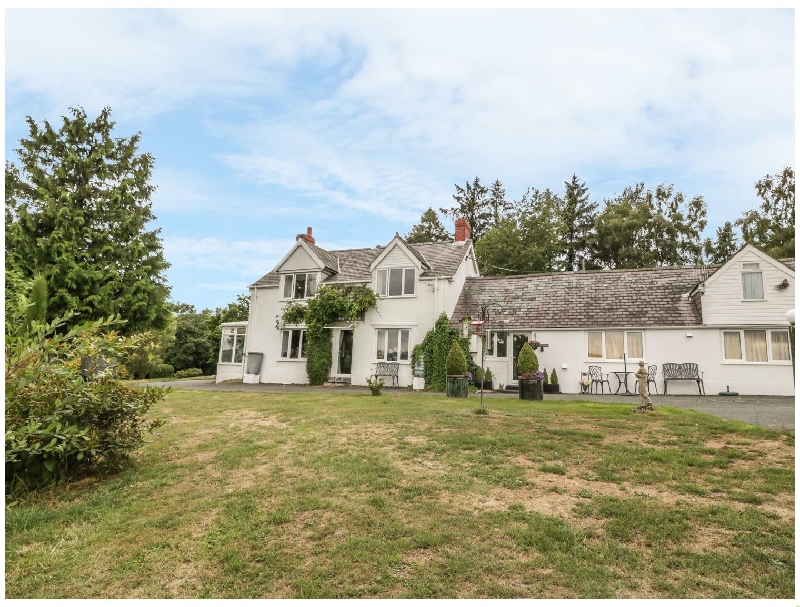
(162, 370)
(546, 379)
(375, 386)
(553, 377)
(319, 356)
(488, 375)
(456, 361)
(184, 373)
(434, 350)
(59, 426)
(527, 362)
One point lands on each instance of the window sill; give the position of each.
(771, 363)
(292, 360)
(753, 300)
(400, 362)
(397, 296)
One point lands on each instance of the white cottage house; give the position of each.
(729, 320)
(415, 283)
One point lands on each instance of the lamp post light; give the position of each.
(790, 320)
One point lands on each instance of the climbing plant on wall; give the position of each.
(330, 304)
(434, 350)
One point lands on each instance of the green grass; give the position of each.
(332, 495)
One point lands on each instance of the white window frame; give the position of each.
(749, 271)
(383, 281)
(238, 334)
(743, 360)
(292, 280)
(385, 350)
(624, 345)
(301, 354)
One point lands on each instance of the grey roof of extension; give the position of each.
(653, 297)
(352, 265)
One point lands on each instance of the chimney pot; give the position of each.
(307, 236)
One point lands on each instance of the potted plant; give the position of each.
(556, 389)
(530, 378)
(457, 385)
(545, 381)
(487, 379)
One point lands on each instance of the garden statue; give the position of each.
(641, 375)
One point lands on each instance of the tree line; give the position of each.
(545, 231)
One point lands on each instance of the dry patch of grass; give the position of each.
(414, 496)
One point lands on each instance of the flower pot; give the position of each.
(487, 385)
(530, 389)
(457, 386)
(551, 388)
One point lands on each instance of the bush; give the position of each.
(162, 370)
(184, 373)
(488, 375)
(434, 350)
(319, 357)
(375, 386)
(527, 362)
(553, 377)
(546, 379)
(456, 361)
(59, 426)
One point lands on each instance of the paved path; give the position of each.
(776, 412)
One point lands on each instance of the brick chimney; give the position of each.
(307, 236)
(463, 230)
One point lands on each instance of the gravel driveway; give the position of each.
(775, 412)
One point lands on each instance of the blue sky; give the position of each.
(354, 122)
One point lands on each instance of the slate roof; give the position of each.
(352, 265)
(651, 297)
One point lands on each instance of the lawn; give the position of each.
(414, 495)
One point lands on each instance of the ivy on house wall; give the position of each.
(331, 303)
(434, 350)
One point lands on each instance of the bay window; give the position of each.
(396, 282)
(232, 348)
(614, 345)
(392, 345)
(756, 346)
(299, 286)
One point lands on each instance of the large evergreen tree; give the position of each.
(771, 227)
(577, 223)
(473, 205)
(429, 229)
(77, 211)
(498, 203)
(645, 228)
(725, 245)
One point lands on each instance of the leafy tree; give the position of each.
(577, 223)
(77, 211)
(527, 240)
(429, 229)
(725, 245)
(643, 228)
(433, 351)
(233, 312)
(473, 205)
(771, 227)
(192, 347)
(16, 296)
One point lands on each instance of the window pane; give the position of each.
(303, 344)
(311, 285)
(391, 349)
(294, 352)
(287, 286)
(299, 286)
(239, 350)
(395, 282)
(502, 339)
(380, 353)
(490, 344)
(635, 348)
(752, 286)
(614, 344)
(382, 290)
(595, 344)
(755, 346)
(285, 345)
(733, 345)
(780, 345)
(409, 284)
(226, 353)
(404, 344)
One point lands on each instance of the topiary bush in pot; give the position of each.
(530, 378)
(456, 365)
(554, 382)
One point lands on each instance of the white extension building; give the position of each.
(729, 320)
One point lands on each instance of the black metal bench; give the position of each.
(683, 371)
(388, 370)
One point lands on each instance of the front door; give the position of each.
(517, 341)
(345, 358)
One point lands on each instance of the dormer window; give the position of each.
(752, 280)
(396, 282)
(299, 286)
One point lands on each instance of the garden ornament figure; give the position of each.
(641, 375)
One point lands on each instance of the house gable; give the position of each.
(398, 254)
(300, 258)
(724, 302)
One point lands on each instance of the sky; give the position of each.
(353, 122)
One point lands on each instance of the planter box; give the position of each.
(530, 389)
(551, 389)
(457, 386)
(487, 385)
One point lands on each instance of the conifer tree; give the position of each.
(77, 212)
(429, 229)
(577, 223)
(473, 205)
